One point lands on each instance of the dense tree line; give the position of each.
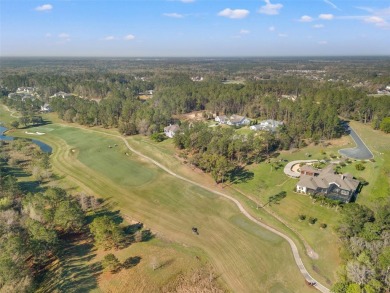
(111, 99)
(365, 235)
(30, 229)
(35, 224)
(219, 150)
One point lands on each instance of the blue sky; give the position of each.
(194, 28)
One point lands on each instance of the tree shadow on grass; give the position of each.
(131, 229)
(240, 175)
(113, 215)
(74, 271)
(147, 235)
(131, 262)
(31, 186)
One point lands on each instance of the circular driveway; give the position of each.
(290, 172)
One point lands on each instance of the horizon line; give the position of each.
(210, 56)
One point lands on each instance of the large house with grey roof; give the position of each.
(342, 187)
(235, 120)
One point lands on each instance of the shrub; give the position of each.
(158, 137)
(302, 217)
(359, 167)
(111, 263)
(312, 220)
(323, 225)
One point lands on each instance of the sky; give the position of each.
(194, 28)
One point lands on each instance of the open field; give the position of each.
(247, 258)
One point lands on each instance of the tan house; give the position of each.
(342, 187)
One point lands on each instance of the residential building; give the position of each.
(238, 120)
(62, 95)
(267, 125)
(45, 108)
(223, 119)
(342, 187)
(171, 130)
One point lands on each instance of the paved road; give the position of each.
(360, 152)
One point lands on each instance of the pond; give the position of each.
(44, 147)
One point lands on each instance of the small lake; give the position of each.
(44, 147)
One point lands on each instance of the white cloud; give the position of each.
(306, 18)
(64, 36)
(282, 35)
(234, 13)
(378, 17)
(129, 37)
(318, 26)
(173, 15)
(271, 28)
(378, 21)
(244, 32)
(322, 42)
(326, 16)
(331, 4)
(270, 9)
(374, 19)
(44, 7)
(109, 38)
(48, 35)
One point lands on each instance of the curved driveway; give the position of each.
(360, 152)
(288, 168)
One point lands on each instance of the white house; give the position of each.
(171, 130)
(62, 95)
(238, 120)
(45, 108)
(222, 119)
(267, 125)
(27, 90)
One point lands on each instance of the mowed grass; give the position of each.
(267, 182)
(5, 116)
(246, 257)
(376, 173)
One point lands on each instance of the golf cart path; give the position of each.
(12, 113)
(293, 246)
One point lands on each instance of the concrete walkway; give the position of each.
(288, 168)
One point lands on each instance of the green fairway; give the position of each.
(248, 258)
